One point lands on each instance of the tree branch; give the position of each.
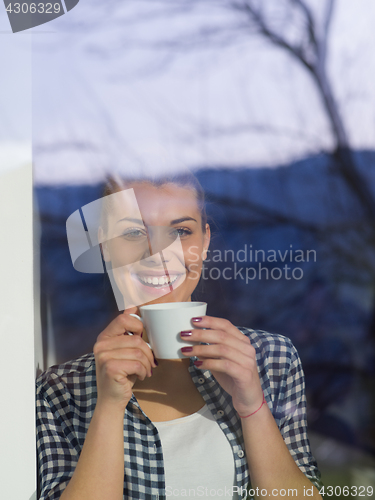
(310, 21)
(279, 218)
(324, 36)
(274, 37)
(328, 17)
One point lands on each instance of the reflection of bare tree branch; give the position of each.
(216, 131)
(310, 20)
(57, 147)
(264, 29)
(289, 25)
(350, 241)
(279, 218)
(326, 26)
(347, 251)
(216, 37)
(310, 51)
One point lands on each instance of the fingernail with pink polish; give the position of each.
(186, 333)
(196, 320)
(186, 349)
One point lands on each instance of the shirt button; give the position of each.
(220, 413)
(240, 453)
(201, 380)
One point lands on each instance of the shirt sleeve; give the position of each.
(292, 419)
(57, 457)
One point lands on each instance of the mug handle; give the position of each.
(140, 319)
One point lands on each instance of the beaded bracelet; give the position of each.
(264, 401)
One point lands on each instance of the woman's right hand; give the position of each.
(121, 359)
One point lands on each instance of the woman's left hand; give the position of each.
(230, 357)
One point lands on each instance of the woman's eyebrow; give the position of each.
(136, 221)
(140, 221)
(182, 219)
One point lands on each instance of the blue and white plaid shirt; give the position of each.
(66, 397)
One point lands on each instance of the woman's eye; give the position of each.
(134, 234)
(181, 232)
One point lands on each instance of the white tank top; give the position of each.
(198, 459)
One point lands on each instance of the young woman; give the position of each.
(228, 420)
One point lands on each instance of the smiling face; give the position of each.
(155, 243)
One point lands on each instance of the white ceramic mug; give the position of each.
(165, 322)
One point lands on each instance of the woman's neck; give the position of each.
(170, 375)
(170, 393)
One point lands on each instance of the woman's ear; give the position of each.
(103, 245)
(206, 241)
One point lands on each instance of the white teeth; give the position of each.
(155, 281)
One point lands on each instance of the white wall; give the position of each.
(17, 367)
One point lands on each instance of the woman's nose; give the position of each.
(159, 239)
